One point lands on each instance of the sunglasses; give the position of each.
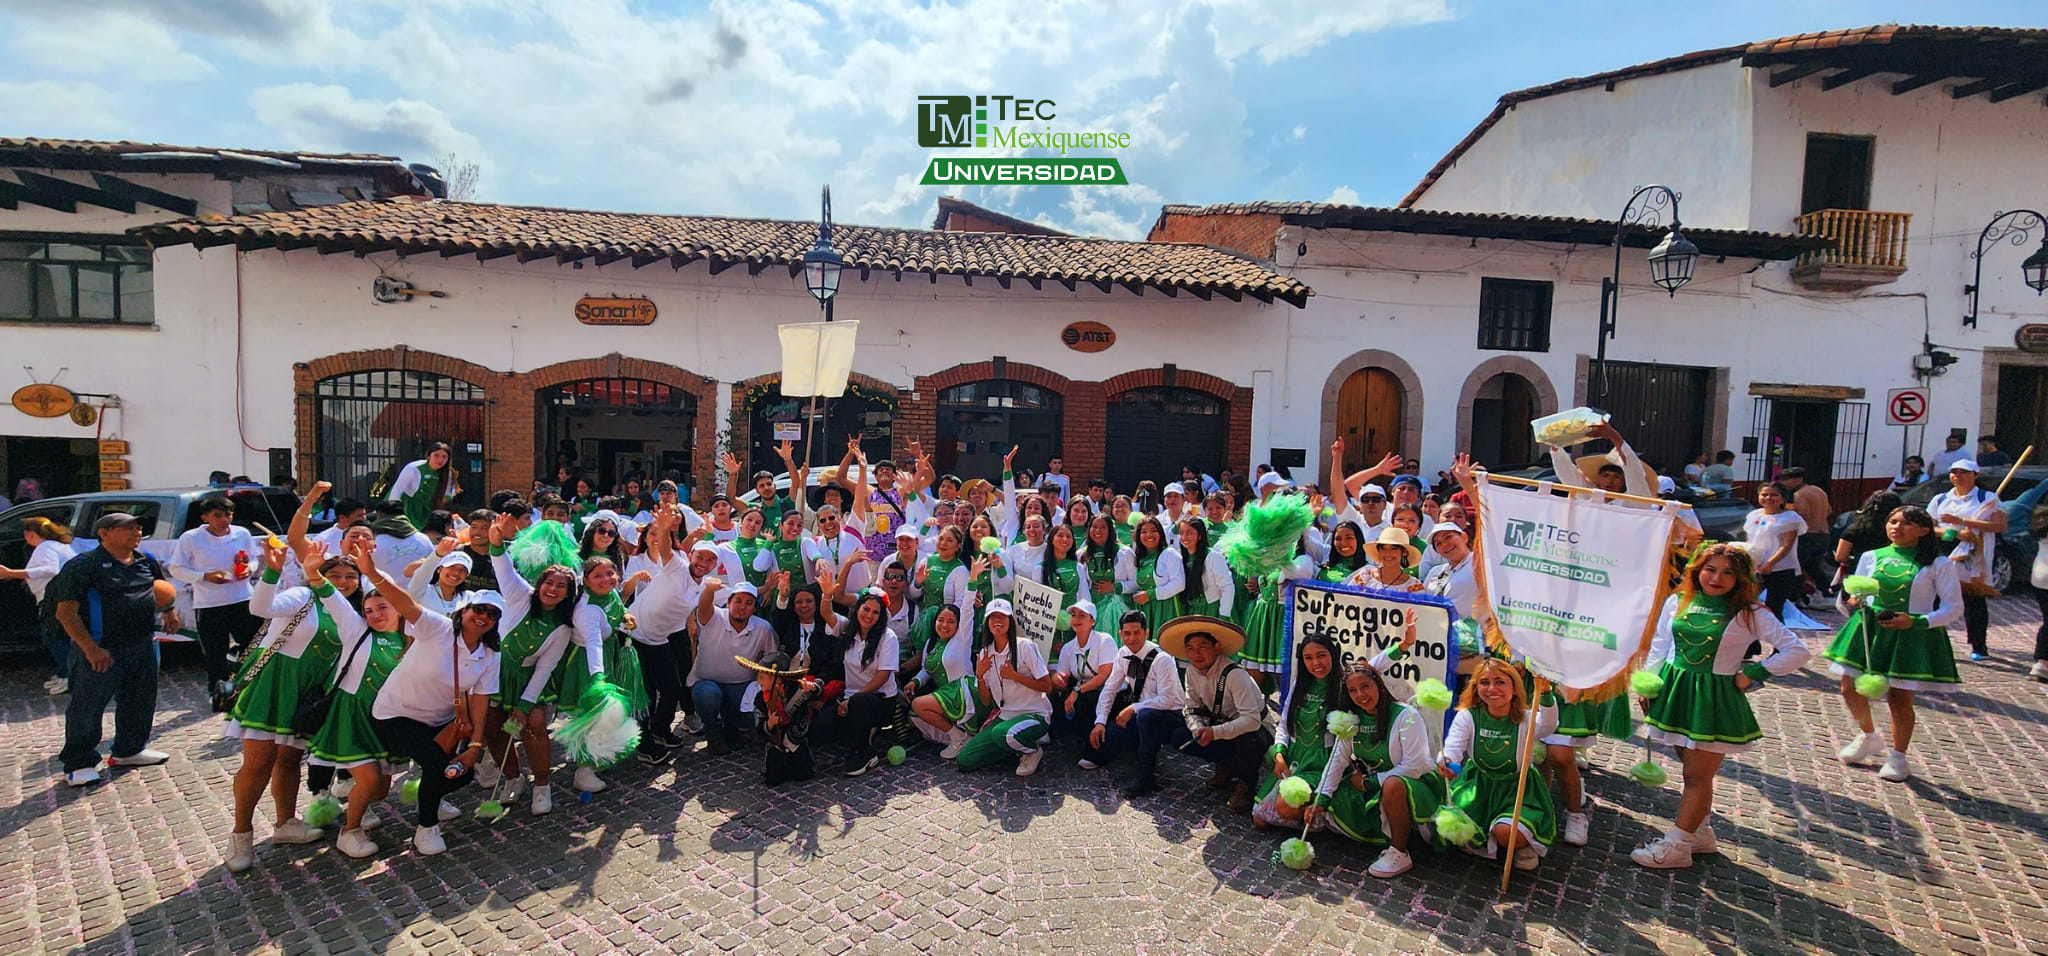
(605, 531)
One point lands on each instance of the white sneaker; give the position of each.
(1028, 764)
(449, 811)
(355, 844)
(543, 800)
(241, 851)
(140, 758)
(295, 830)
(1579, 758)
(514, 789)
(1087, 764)
(342, 786)
(83, 776)
(1862, 749)
(1897, 768)
(955, 739)
(487, 772)
(371, 820)
(427, 841)
(691, 725)
(1672, 851)
(1703, 843)
(2038, 672)
(1577, 828)
(1392, 863)
(1526, 856)
(58, 686)
(587, 781)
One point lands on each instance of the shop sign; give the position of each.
(113, 466)
(114, 447)
(43, 400)
(113, 484)
(591, 310)
(1088, 336)
(2031, 338)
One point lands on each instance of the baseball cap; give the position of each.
(1665, 485)
(1370, 490)
(489, 599)
(742, 588)
(458, 556)
(906, 531)
(1964, 464)
(999, 606)
(1400, 480)
(1271, 479)
(704, 546)
(1085, 607)
(122, 519)
(1443, 526)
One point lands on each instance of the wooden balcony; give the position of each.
(1870, 249)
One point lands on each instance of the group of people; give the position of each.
(880, 618)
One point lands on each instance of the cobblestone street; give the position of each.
(702, 859)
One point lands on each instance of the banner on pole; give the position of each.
(1573, 584)
(1038, 613)
(1363, 622)
(817, 357)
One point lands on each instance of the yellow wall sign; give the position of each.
(591, 310)
(113, 484)
(43, 400)
(113, 466)
(113, 447)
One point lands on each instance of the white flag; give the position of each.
(817, 357)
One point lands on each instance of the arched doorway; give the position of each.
(1501, 411)
(1153, 431)
(372, 420)
(867, 412)
(1370, 404)
(610, 429)
(980, 421)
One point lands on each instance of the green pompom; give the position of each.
(1135, 518)
(990, 545)
(1342, 723)
(409, 793)
(1466, 633)
(1455, 827)
(1295, 792)
(1860, 585)
(513, 728)
(1646, 684)
(1297, 854)
(897, 755)
(1431, 694)
(323, 812)
(1648, 774)
(1873, 686)
(490, 810)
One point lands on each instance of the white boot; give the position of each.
(587, 780)
(241, 851)
(955, 739)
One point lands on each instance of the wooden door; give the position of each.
(1369, 417)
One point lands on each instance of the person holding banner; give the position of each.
(1482, 760)
(1011, 680)
(1151, 574)
(1082, 667)
(1973, 516)
(1899, 634)
(1700, 653)
(1379, 780)
(1301, 743)
(947, 705)
(1214, 594)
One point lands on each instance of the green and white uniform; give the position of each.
(349, 737)
(1490, 749)
(1109, 605)
(1160, 577)
(1265, 620)
(1919, 658)
(1211, 589)
(1018, 717)
(1698, 650)
(1301, 738)
(415, 489)
(525, 629)
(295, 658)
(1402, 751)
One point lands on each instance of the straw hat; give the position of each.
(1396, 536)
(773, 662)
(971, 485)
(1590, 465)
(1173, 637)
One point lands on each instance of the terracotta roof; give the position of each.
(2002, 63)
(1740, 243)
(490, 231)
(161, 157)
(948, 205)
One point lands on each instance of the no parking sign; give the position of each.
(1906, 406)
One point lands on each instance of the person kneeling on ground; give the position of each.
(1225, 713)
(1144, 695)
(785, 704)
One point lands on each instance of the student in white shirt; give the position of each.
(834, 543)
(1082, 665)
(1140, 706)
(869, 700)
(1975, 516)
(448, 659)
(1012, 680)
(218, 559)
(438, 584)
(717, 679)
(50, 546)
(1772, 535)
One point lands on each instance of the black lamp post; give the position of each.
(2014, 227)
(1671, 265)
(822, 268)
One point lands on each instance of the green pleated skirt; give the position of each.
(1700, 710)
(1356, 813)
(1915, 659)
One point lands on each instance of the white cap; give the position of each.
(1443, 526)
(906, 531)
(1372, 489)
(1085, 607)
(1271, 479)
(491, 598)
(1665, 485)
(1965, 464)
(704, 546)
(458, 556)
(999, 606)
(742, 588)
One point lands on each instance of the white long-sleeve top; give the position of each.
(408, 481)
(1407, 747)
(427, 593)
(201, 552)
(1788, 652)
(588, 629)
(662, 606)
(266, 600)
(1937, 591)
(957, 656)
(1458, 740)
(1237, 701)
(1169, 577)
(44, 563)
(1216, 582)
(818, 548)
(954, 589)
(1021, 560)
(1162, 690)
(1633, 471)
(518, 595)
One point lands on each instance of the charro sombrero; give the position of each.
(1173, 637)
(772, 662)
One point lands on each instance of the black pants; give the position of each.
(1779, 586)
(1082, 720)
(1148, 732)
(2041, 633)
(679, 649)
(1977, 621)
(220, 625)
(866, 714)
(664, 688)
(408, 739)
(1242, 755)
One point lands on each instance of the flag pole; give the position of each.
(1507, 866)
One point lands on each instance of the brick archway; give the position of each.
(1238, 441)
(1411, 401)
(741, 426)
(518, 404)
(1081, 413)
(307, 375)
(1546, 393)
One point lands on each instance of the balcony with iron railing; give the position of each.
(1869, 249)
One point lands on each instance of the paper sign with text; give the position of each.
(1038, 613)
(1363, 622)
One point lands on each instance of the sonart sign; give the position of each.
(615, 311)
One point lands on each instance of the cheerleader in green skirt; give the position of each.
(946, 710)
(1899, 634)
(348, 739)
(593, 649)
(941, 579)
(1150, 575)
(533, 613)
(1101, 554)
(1703, 637)
(1379, 782)
(1301, 743)
(1211, 590)
(426, 485)
(1265, 620)
(295, 659)
(1485, 744)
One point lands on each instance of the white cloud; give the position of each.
(85, 46)
(63, 110)
(1301, 132)
(330, 118)
(1343, 196)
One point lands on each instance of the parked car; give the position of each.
(165, 514)
(1720, 516)
(2017, 546)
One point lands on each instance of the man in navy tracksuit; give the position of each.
(108, 601)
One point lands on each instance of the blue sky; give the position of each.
(744, 108)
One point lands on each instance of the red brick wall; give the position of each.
(1249, 233)
(743, 424)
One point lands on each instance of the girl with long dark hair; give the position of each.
(601, 538)
(945, 689)
(426, 485)
(1900, 633)
(869, 700)
(1347, 553)
(1301, 742)
(347, 741)
(1380, 781)
(1012, 681)
(1151, 576)
(533, 613)
(1211, 589)
(1101, 554)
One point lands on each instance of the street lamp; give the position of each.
(1671, 265)
(2014, 227)
(823, 264)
